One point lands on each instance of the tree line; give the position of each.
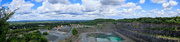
(152, 20)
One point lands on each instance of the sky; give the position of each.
(90, 9)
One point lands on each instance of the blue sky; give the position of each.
(90, 9)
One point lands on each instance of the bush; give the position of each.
(114, 23)
(74, 31)
(43, 39)
(45, 33)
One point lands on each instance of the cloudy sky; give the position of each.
(90, 9)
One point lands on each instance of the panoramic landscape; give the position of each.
(89, 21)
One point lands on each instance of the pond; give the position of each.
(104, 37)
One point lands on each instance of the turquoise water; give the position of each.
(102, 37)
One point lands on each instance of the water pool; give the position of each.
(103, 37)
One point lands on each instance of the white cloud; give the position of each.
(178, 10)
(158, 1)
(172, 13)
(156, 11)
(141, 1)
(89, 9)
(112, 2)
(59, 1)
(153, 11)
(59, 8)
(0, 1)
(168, 5)
(131, 5)
(39, 0)
(91, 5)
(143, 11)
(24, 7)
(160, 12)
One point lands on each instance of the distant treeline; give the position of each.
(25, 25)
(96, 21)
(140, 20)
(152, 20)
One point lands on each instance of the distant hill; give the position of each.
(49, 21)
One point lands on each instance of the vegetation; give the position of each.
(114, 23)
(18, 28)
(96, 21)
(141, 20)
(152, 20)
(45, 33)
(74, 31)
(5, 14)
(168, 29)
(22, 30)
(27, 37)
(32, 25)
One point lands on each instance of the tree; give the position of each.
(45, 33)
(74, 31)
(5, 14)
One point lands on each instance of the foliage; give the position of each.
(28, 37)
(17, 28)
(114, 23)
(168, 29)
(96, 21)
(74, 31)
(5, 14)
(31, 25)
(152, 20)
(45, 33)
(23, 30)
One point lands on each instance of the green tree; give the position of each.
(74, 31)
(45, 33)
(5, 14)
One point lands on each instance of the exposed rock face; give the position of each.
(134, 30)
(143, 37)
(140, 27)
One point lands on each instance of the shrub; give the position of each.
(45, 33)
(114, 23)
(74, 31)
